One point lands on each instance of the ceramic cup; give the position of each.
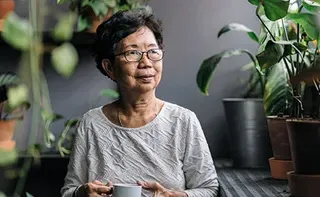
(126, 190)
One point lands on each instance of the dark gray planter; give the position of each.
(249, 140)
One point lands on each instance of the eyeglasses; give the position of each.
(136, 55)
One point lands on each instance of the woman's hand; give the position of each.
(160, 191)
(95, 189)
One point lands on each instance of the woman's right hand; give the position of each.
(95, 189)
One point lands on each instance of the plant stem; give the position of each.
(265, 26)
(287, 38)
(36, 18)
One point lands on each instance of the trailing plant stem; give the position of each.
(36, 18)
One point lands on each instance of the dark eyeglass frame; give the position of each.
(142, 52)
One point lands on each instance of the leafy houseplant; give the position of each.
(27, 37)
(92, 12)
(290, 41)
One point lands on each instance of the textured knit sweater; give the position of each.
(171, 149)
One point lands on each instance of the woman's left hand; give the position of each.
(159, 190)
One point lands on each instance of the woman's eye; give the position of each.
(133, 52)
(153, 51)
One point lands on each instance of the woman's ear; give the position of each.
(107, 67)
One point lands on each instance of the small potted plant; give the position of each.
(92, 12)
(13, 101)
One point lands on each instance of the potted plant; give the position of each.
(26, 36)
(246, 117)
(11, 107)
(92, 12)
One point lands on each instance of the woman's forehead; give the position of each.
(142, 37)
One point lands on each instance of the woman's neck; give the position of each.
(141, 105)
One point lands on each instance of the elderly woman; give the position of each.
(138, 139)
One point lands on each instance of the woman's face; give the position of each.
(141, 76)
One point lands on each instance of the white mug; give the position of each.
(126, 190)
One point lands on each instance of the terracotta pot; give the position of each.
(280, 168)
(304, 137)
(6, 133)
(96, 21)
(6, 6)
(279, 138)
(304, 185)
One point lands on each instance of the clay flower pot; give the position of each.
(6, 6)
(279, 137)
(6, 133)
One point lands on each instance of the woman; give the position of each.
(138, 139)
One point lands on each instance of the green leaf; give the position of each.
(72, 122)
(83, 23)
(16, 31)
(209, 65)
(311, 6)
(271, 55)
(254, 2)
(109, 93)
(2, 194)
(9, 78)
(111, 3)
(239, 27)
(276, 9)
(63, 31)
(290, 45)
(64, 59)
(17, 96)
(29, 195)
(99, 8)
(278, 94)
(50, 117)
(8, 157)
(307, 21)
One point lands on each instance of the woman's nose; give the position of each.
(145, 61)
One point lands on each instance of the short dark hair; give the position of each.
(119, 26)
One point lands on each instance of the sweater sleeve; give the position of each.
(77, 168)
(198, 166)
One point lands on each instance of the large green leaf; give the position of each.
(63, 31)
(308, 23)
(278, 92)
(64, 59)
(274, 9)
(311, 6)
(209, 65)
(16, 31)
(271, 55)
(238, 27)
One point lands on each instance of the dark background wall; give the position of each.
(190, 35)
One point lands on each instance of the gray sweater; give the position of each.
(171, 150)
